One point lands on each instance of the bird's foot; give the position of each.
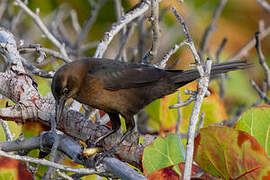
(107, 153)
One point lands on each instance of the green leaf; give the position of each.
(163, 152)
(256, 122)
(163, 118)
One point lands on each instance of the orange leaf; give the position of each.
(230, 154)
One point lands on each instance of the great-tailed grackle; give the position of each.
(121, 88)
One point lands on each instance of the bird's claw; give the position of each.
(107, 153)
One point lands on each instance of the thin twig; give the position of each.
(260, 92)
(35, 70)
(141, 36)
(75, 21)
(63, 175)
(211, 27)
(3, 7)
(42, 27)
(30, 48)
(6, 130)
(220, 49)
(202, 89)
(179, 115)
(90, 21)
(88, 46)
(154, 18)
(262, 60)
(124, 40)
(264, 4)
(16, 19)
(245, 49)
(186, 102)
(48, 163)
(140, 9)
(124, 33)
(190, 43)
(164, 60)
(222, 76)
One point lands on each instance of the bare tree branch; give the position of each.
(139, 10)
(211, 27)
(3, 7)
(6, 130)
(42, 27)
(48, 163)
(246, 48)
(222, 77)
(202, 89)
(264, 4)
(90, 21)
(260, 92)
(262, 60)
(154, 18)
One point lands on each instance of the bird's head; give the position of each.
(65, 84)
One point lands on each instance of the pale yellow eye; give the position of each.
(65, 91)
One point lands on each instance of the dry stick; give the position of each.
(48, 163)
(260, 92)
(189, 42)
(141, 36)
(154, 18)
(124, 40)
(16, 19)
(123, 33)
(42, 27)
(244, 50)
(6, 130)
(264, 4)
(162, 64)
(3, 7)
(222, 78)
(202, 89)
(88, 46)
(211, 27)
(262, 60)
(35, 70)
(63, 175)
(179, 116)
(75, 21)
(186, 102)
(60, 157)
(90, 21)
(31, 48)
(140, 9)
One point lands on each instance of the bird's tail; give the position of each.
(190, 75)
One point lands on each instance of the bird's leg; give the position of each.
(53, 124)
(130, 124)
(116, 123)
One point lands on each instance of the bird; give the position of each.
(122, 88)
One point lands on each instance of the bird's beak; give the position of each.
(59, 108)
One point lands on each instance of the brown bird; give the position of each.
(121, 88)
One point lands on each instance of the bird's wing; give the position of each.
(118, 75)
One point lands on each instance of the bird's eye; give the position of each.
(65, 91)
